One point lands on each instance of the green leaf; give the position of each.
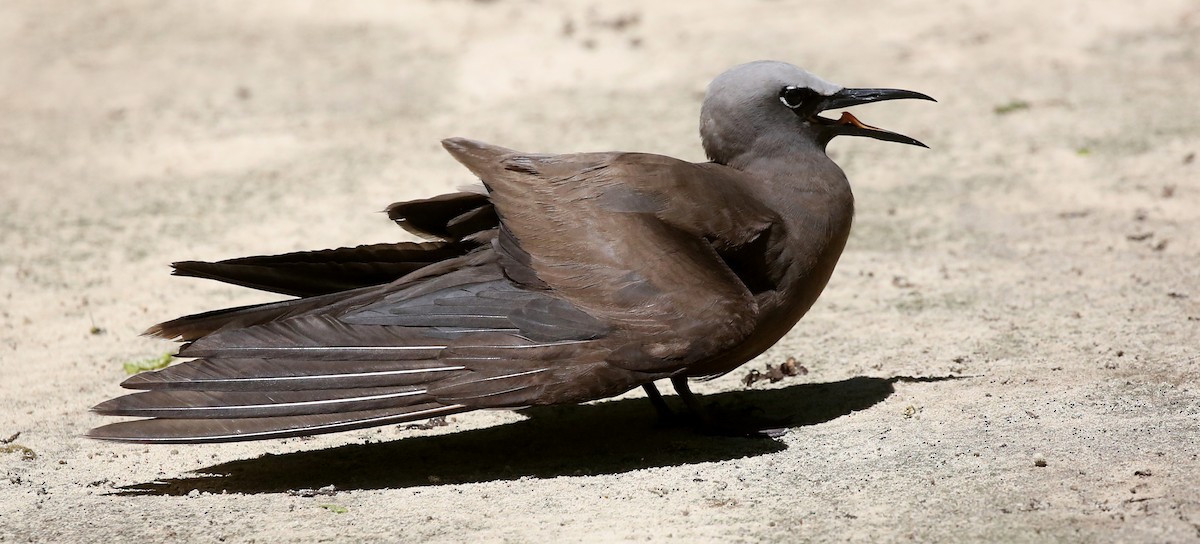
(335, 508)
(143, 365)
(26, 453)
(1015, 105)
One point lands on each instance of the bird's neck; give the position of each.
(816, 207)
(792, 183)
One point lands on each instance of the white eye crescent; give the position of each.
(794, 97)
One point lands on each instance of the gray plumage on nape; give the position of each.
(573, 278)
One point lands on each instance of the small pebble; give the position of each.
(1039, 460)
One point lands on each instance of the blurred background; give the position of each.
(1044, 247)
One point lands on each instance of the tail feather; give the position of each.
(452, 217)
(312, 273)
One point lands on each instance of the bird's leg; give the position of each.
(689, 399)
(665, 414)
(742, 427)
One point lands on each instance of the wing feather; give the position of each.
(576, 277)
(196, 431)
(608, 234)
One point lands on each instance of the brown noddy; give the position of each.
(572, 278)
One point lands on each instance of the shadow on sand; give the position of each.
(602, 438)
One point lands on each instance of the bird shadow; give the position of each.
(602, 438)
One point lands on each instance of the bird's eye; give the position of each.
(795, 97)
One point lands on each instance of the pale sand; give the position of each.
(1044, 258)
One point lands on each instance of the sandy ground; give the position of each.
(1007, 352)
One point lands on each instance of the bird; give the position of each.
(566, 278)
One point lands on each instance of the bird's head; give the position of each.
(768, 107)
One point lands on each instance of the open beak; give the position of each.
(849, 125)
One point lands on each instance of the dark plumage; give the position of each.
(575, 277)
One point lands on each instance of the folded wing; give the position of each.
(632, 239)
(577, 277)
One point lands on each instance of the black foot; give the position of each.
(743, 423)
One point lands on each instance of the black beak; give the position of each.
(849, 125)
